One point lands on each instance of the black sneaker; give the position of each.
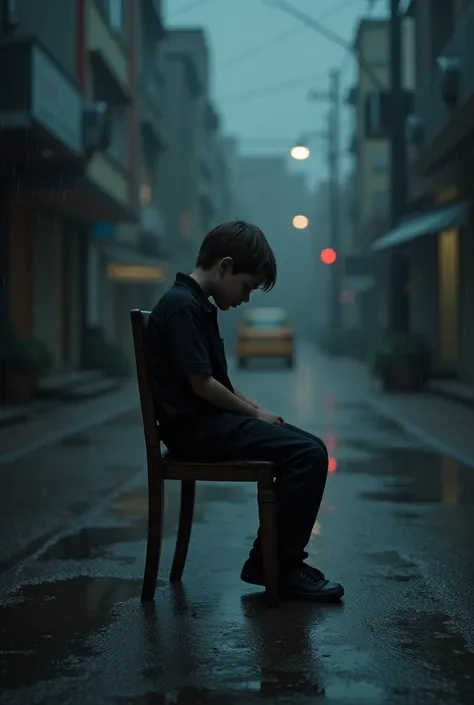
(307, 583)
(301, 582)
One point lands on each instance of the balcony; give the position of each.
(109, 56)
(450, 85)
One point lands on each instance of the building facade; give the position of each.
(437, 234)
(368, 190)
(72, 170)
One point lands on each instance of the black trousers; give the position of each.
(301, 461)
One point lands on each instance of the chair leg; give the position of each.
(268, 536)
(155, 536)
(188, 492)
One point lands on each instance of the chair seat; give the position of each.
(231, 470)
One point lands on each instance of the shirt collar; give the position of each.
(191, 284)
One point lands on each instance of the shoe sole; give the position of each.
(328, 596)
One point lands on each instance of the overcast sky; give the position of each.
(264, 62)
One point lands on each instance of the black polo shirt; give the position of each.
(183, 338)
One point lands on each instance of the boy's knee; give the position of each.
(318, 455)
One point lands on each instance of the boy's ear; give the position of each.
(226, 264)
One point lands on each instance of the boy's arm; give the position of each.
(187, 348)
(212, 391)
(242, 396)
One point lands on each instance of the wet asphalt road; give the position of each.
(396, 528)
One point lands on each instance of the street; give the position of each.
(395, 528)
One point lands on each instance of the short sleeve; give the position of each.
(187, 341)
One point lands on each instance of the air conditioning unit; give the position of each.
(97, 127)
(415, 130)
(449, 69)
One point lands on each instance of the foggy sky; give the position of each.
(235, 27)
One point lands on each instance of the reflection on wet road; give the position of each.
(396, 528)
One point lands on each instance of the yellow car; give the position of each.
(265, 332)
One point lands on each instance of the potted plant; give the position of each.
(402, 361)
(22, 363)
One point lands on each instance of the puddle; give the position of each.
(92, 542)
(48, 628)
(98, 541)
(413, 476)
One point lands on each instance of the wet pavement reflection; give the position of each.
(396, 528)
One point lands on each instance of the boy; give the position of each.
(203, 416)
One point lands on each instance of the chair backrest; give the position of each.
(139, 328)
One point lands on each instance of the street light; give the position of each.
(300, 149)
(300, 222)
(300, 152)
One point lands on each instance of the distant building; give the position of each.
(272, 196)
(193, 171)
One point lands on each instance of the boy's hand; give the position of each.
(270, 418)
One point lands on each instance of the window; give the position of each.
(115, 13)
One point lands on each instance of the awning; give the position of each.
(429, 222)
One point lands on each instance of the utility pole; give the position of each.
(398, 263)
(334, 156)
(333, 137)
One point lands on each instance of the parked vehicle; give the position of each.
(265, 332)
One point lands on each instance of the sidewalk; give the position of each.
(442, 423)
(63, 420)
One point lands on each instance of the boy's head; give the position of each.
(237, 259)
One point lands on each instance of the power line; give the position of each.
(272, 88)
(308, 20)
(274, 41)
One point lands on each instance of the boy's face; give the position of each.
(231, 289)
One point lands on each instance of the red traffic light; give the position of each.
(328, 255)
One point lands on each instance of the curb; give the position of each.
(421, 434)
(78, 427)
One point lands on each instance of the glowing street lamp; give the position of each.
(300, 152)
(300, 222)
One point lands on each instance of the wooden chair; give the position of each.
(163, 467)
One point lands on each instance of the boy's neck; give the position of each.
(203, 279)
